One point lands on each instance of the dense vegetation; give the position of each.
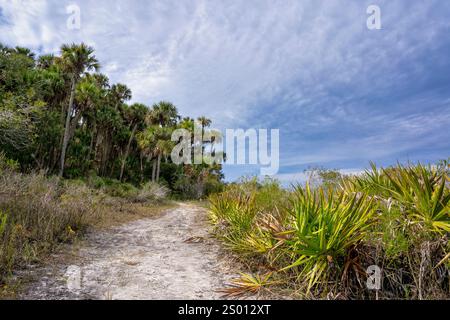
(319, 239)
(60, 116)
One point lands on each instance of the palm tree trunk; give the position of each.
(98, 151)
(91, 145)
(67, 128)
(142, 166)
(127, 151)
(73, 125)
(158, 170)
(154, 171)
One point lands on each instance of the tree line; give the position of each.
(60, 115)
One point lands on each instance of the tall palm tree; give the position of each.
(164, 147)
(147, 144)
(164, 114)
(120, 93)
(135, 116)
(155, 141)
(76, 60)
(86, 95)
(204, 122)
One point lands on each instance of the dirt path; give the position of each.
(145, 259)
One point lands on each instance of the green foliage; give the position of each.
(113, 187)
(324, 228)
(321, 239)
(7, 165)
(418, 192)
(58, 115)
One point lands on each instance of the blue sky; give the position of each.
(340, 94)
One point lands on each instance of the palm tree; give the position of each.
(147, 144)
(45, 61)
(76, 60)
(204, 122)
(164, 114)
(155, 141)
(120, 93)
(135, 115)
(164, 147)
(86, 95)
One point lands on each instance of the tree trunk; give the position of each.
(142, 167)
(127, 151)
(158, 170)
(154, 171)
(91, 145)
(73, 125)
(67, 128)
(107, 146)
(97, 151)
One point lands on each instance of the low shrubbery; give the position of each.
(36, 213)
(320, 241)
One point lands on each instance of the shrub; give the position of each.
(152, 192)
(36, 214)
(113, 188)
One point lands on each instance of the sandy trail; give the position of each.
(145, 259)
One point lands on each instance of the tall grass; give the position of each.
(321, 240)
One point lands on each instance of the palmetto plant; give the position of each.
(324, 227)
(423, 194)
(235, 210)
(419, 192)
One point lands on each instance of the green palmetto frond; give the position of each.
(323, 229)
(420, 193)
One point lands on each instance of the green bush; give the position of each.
(113, 188)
